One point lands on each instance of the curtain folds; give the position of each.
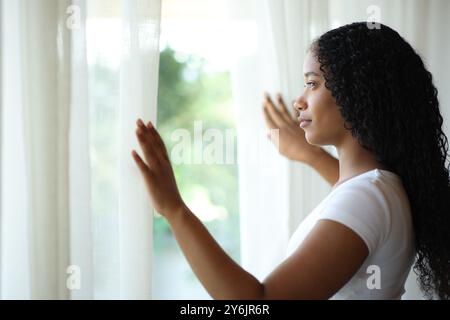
(273, 197)
(81, 246)
(34, 244)
(47, 246)
(138, 97)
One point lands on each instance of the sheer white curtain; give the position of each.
(274, 193)
(35, 184)
(79, 192)
(46, 243)
(272, 204)
(138, 97)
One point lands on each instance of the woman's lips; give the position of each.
(305, 123)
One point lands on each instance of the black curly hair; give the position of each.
(388, 101)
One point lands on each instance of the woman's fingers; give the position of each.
(147, 148)
(152, 145)
(140, 163)
(141, 124)
(160, 147)
(274, 114)
(269, 122)
(280, 116)
(162, 150)
(283, 110)
(148, 144)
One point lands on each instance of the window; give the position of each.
(196, 121)
(195, 118)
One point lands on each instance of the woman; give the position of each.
(368, 94)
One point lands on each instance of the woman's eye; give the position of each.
(310, 84)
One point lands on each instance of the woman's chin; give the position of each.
(314, 140)
(310, 138)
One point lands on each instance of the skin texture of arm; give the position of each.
(326, 260)
(326, 165)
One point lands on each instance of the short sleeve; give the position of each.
(361, 209)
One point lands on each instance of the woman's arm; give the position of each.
(325, 261)
(220, 275)
(325, 164)
(292, 142)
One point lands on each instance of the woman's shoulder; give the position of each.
(376, 188)
(371, 176)
(374, 202)
(378, 184)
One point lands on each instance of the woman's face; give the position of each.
(318, 105)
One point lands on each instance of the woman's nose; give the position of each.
(299, 104)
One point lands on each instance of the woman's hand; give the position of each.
(291, 138)
(157, 171)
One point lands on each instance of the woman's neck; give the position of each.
(354, 160)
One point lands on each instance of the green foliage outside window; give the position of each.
(188, 93)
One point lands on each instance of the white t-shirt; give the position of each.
(375, 205)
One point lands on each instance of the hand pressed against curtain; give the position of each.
(157, 171)
(291, 138)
